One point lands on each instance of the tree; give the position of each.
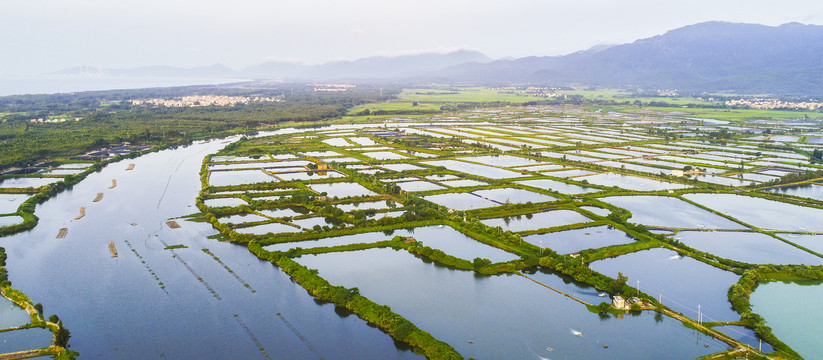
(62, 337)
(53, 318)
(603, 308)
(617, 284)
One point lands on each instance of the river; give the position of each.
(148, 302)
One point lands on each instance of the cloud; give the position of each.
(359, 32)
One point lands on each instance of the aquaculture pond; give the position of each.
(27, 182)
(597, 210)
(504, 317)
(274, 228)
(307, 175)
(412, 186)
(154, 303)
(401, 167)
(681, 282)
(239, 177)
(569, 241)
(755, 248)
(474, 169)
(341, 189)
(811, 242)
(10, 202)
(811, 191)
(370, 205)
(513, 195)
(558, 186)
(793, 313)
(501, 160)
(763, 213)
(567, 285)
(746, 336)
(463, 183)
(25, 339)
(230, 201)
(460, 201)
(444, 238)
(12, 315)
(537, 221)
(10, 220)
(241, 218)
(669, 212)
(629, 182)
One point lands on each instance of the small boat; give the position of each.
(576, 333)
(602, 294)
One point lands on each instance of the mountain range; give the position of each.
(705, 57)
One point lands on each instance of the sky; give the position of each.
(39, 36)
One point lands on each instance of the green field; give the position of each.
(395, 106)
(466, 95)
(741, 114)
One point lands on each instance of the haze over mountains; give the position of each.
(705, 57)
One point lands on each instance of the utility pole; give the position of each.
(541, 247)
(699, 315)
(638, 288)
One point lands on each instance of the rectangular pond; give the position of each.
(793, 314)
(501, 160)
(239, 177)
(682, 282)
(763, 213)
(341, 189)
(384, 155)
(475, 169)
(460, 201)
(754, 248)
(537, 221)
(10, 202)
(401, 167)
(274, 228)
(513, 195)
(569, 241)
(420, 185)
(463, 183)
(231, 202)
(669, 212)
(444, 238)
(629, 182)
(559, 186)
(503, 317)
(811, 191)
(27, 182)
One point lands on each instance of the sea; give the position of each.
(54, 84)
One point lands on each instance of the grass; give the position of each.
(395, 106)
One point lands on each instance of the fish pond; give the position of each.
(504, 316)
(681, 282)
(569, 241)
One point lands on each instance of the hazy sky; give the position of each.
(46, 35)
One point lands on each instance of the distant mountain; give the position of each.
(712, 56)
(705, 57)
(376, 67)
